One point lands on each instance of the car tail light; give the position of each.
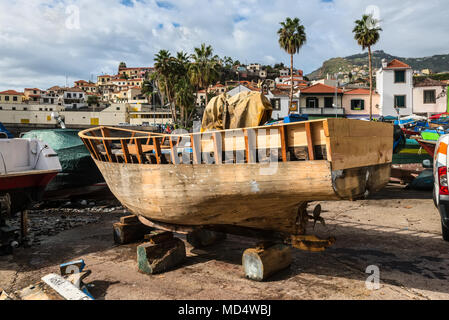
(442, 175)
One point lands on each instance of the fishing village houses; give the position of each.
(118, 99)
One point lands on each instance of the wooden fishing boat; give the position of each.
(258, 178)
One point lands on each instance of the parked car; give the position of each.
(441, 189)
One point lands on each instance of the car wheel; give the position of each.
(445, 231)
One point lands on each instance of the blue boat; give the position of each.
(5, 132)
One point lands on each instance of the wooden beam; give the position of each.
(174, 151)
(157, 150)
(284, 143)
(218, 148)
(93, 145)
(250, 145)
(125, 150)
(139, 150)
(196, 149)
(106, 143)
(310, 141)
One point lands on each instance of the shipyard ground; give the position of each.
(397, 230)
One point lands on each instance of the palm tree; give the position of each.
(204, 69)
(164, 70)
(292, 37)
(367, 34)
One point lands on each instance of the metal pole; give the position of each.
(154, 107)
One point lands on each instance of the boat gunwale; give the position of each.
(27, 173)
(83, 133)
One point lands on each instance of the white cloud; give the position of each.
(39, 50)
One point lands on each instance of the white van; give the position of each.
(441, 189)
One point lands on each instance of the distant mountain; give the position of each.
(437, 63)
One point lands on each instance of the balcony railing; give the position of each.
(323, 111)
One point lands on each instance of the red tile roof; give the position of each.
(396, 64)
(320, 88)
(32, 89)
(12, 92)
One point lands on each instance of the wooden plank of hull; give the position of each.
(202, 194)
(354, 144)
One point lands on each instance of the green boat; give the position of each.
(78, 168)
(411, 153)
(431, 135)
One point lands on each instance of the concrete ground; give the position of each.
(396, 230)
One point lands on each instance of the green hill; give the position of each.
(437, 63)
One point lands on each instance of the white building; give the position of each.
(237, 90)
(394, 83)
(284, 72)
(280, 100)
(73, 98)
(429, 97)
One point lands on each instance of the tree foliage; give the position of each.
(292, 37)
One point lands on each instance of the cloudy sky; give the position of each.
(45, 42)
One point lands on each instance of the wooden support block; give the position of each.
(159, 236)
(157, 258)
(129, 219)
(260, 263)
(129, 233)
(203, 238)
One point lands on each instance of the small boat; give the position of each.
(411, 152)
(257, 178)
(78, 169)
(26, 168)
(428, 145)
(4, 133)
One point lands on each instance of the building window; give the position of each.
(312, 103)
(430, 96)
(276, 103)
(14, 108)
(6, 98)
(328, 102)
(399, 101)
(40, 109)
(69, 95)
(357, 104)
(14, 98)
(1, 108)
(399, 76)
(25, 108)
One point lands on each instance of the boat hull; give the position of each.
(25, 189)
(245, 195)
